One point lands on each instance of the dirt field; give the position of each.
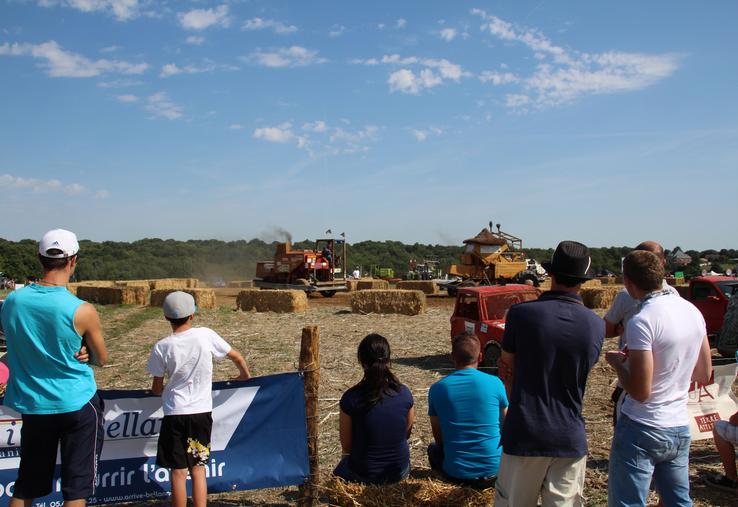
(420, 347)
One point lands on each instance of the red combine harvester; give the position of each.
(321, 270)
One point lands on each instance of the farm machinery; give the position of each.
(492, 258)
(320, 270)
(428, 269)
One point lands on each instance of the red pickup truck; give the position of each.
(482, 311)
(710, 294)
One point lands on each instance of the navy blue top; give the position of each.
(379, 450)
(556, 341)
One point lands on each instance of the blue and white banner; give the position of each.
(259, 440)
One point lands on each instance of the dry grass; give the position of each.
(428, 287)
(278, 301)
(405, 302)
(204, 298)
(420, 347)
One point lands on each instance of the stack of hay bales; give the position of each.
(351, 285)
(592, 283)
(606, 280)
(405, 302)
(73, 286)
(278, 301)
(204, 298)
(132, 283)
(241, 284)
(428, 287)
(174, 283)
(372, 284)
(114, 295)
(599, 297)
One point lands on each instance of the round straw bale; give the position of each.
(278, 301)
(405, 302)
(204, 298)
(425, 286)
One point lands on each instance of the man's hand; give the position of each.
(615, 358)
(82, 355)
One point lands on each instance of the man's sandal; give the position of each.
(719, 481)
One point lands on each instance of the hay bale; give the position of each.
(241, 284)
(173, 283)
(204, 298)
(606, 280)
(599, 297)
(278, 301)
(592, 283)
(351, 285)
(405, 302)
(114, 295)
(424, 286)
(411, 491)
(372, 283)
(132, 283)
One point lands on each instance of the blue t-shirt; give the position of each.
(468, 405)
(556, 341)
(379, 450)
(45, 377)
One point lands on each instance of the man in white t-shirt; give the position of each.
(623, 307)
(667, 349)
(185, 357)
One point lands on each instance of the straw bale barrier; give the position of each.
(372, 284)
(424, 286)
(351, 285)
(132, 283)
(174, 283)
(405, 302)
(278, 301)
(599, 297)
(204, 298)
(411, 491)
(606, 280)
(114, 295)
(73, 286)
(592, 283)
(241, 284)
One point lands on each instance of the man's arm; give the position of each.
(436, 428)
(157, 386)
(635, 371)
(506, 364)
(410, 421)
(612, 329)
(503, 413)
(240, 363)
(703, 369)
(87, 325)
(344, 432)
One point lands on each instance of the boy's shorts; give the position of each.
(184, 440)
(727, 431)
(79, 435)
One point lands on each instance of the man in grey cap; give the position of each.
(185, 357)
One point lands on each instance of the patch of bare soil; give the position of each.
(420, 347)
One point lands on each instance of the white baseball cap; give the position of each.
(58, 239)
(178, 305)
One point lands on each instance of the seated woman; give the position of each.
(376, 418)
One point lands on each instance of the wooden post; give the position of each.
(310, 366)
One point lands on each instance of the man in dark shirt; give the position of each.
(548, 349)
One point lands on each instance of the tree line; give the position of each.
(214, 260)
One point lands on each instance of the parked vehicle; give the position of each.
(482, 311)
(711, 294)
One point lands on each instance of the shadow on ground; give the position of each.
(440, 363)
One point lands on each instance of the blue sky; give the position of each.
(603, 122)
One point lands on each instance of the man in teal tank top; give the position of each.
(52, 338)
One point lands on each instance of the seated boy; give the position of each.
(186, 358)
(725, 434)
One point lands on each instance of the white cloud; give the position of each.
(294, 56)
(316, 126)
(368, 61)
(74, 189)
(422, 134)
(10, 182)
(262, 24)
(432, 73)
(498, 78)
(336, 30)
(195, 40)
(381, 26)
(200, 19)
(61, 63)
(398, 60)
(447, 69)
(448, 34)
(126, 98)
(161, 106)
(172, 69)
(110, 49)
(279, 134)
(102, 194)
(516, 100)
(120, 83)
(122, 10)
(235, 126)
(401, 23)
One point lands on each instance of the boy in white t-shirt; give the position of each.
(186, 358)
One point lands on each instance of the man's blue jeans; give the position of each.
(640, 452)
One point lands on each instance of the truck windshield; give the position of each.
(467, 307)
(498, 305)
(728, 288)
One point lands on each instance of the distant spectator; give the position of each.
(667, 349)
(466, 410)
(356, 274)
(622, 309)
(375, 420)
(185, 357)
(548, 349)
(725, 434)
(51, 335)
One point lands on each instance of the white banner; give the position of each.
(712, 402)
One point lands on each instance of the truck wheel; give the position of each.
(328, 293)
(492, 352)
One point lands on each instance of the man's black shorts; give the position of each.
(79, 435)
(184, 440)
